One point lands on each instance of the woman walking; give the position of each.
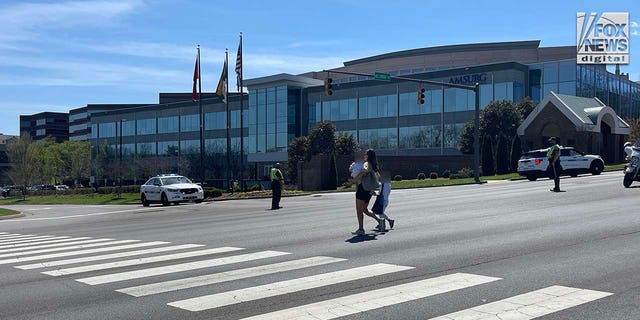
(370, 167)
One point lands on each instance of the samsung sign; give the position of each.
(603, 39)
(469, 79)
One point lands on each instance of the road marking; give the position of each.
(361, 302)
(85, 244)
(137, 274)
(187, 283)
(285, 287)
(77, 215)
(16, 236)
(41, 241)
(26, 239)
(42, 246)
(47, 264)
(38, 209)
(133, 262)
(530, 305)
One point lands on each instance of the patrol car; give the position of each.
(533, 164)
(168, 189)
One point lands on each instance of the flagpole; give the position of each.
(242, 186)
(202, 173)
(226, 65)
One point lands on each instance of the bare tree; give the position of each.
(24, 157)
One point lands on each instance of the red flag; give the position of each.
(239, 64)
(196, 77)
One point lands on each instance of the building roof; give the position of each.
(283, 79)
(586, 114)
(491, 46)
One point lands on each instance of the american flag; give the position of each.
(239, 65)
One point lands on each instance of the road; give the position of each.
(501, 250)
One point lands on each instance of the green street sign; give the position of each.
(382, 76)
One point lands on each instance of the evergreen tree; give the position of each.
(487, 157)
(502, 155)
(516, 153)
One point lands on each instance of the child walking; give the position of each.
(382, 201)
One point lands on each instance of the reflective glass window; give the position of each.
(167, 124)
(550, 72)
(128, 128)
(146, 149)
(107, 130)
(190, 122)
(146, 126)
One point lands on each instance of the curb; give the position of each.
(13, 216)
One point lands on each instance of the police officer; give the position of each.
(277, 180)
(553, 156)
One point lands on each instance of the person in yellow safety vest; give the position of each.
(554, 169)
(277, 180)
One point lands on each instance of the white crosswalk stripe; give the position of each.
(25, 244)
(70, 246)
(28, 239)
(284, 287)
(51, 247)
(370, 300)
(85, 253)
(20, 236)
(137, 274)
(186, 283)
(55, 263)
(529, 305)
(133, 262)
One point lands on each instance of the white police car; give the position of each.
(533, 164)
(168, 189)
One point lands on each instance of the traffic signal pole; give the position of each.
(475, 88)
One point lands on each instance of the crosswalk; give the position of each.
(98, 262)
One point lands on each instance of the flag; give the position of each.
(221, 90)
(239, 64)
(196, 77)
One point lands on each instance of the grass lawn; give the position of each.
(126, 198)
(7, 212)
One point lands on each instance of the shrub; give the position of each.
(433, 175)
(256, 187)
(463, 173)
(446, 174)
(212, 193)
(397, 177)
(421, 176)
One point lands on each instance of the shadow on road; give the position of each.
(362, 238)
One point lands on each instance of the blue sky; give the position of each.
(62, 55)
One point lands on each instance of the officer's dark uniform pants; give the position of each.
(556, 177)
(276, 190)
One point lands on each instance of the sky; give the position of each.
(62, 55)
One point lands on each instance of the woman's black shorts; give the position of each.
(363, 195)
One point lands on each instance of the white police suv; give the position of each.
(533, 164)
(168, 189)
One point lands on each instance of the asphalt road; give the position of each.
(502, 250)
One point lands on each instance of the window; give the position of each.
(190, 122)
(168, 124)
(146, 126)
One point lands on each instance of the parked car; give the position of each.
(168, 189)
(533, 164)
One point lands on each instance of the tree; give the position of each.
(346, 144)
(502, 155)
(297, 151)
(322, 139)
(23, 155)
(516, 153)
(465, 143)
(634, 125)
(524, 107)
(332, 182)
(487, 158)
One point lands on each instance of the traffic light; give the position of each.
(420, 99)
(328, 86)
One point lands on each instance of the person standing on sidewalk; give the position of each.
(277, 181)
(555, 169)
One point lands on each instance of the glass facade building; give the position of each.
(381, 115)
